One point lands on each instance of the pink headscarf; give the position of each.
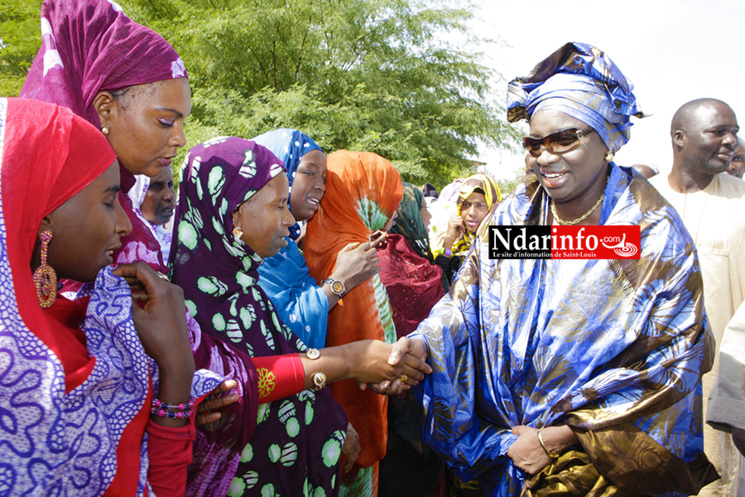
(91, 45)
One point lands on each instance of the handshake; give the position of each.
(392, 369)
(385, 369)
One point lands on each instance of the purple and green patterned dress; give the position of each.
(297, 443)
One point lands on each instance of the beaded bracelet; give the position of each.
(174, 411)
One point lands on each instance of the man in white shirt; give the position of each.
(712, 206)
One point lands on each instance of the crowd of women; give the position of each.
(302, 324)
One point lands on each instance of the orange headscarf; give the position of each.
(363, 191)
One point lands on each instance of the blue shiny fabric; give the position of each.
(300, 302)
(595, 344)
(583, 82)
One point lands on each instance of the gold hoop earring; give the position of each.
(45, 279)
(609, 156)
(238, 234)
(105, 131)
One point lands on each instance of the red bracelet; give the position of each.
(279, 376)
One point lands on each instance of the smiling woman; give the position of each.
(301, 302)
(232, 213)
(575, 177)
(559, 375)
(77, 253)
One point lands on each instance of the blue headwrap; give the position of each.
(581, 81)
(289, 145)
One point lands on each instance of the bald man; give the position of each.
(647, 170)
(712, 206)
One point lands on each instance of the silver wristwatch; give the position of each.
(337, 287)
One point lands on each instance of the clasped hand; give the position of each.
(409, 352)
(378, 371)
(528, 454)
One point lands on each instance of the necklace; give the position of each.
(579, 219)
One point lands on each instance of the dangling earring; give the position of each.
(238, 234)
(105, 131)
(45, 279)
(608, 156)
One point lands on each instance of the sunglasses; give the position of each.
(556, 143)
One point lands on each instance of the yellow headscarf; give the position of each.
(491, 193)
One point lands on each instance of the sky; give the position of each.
(672, 51)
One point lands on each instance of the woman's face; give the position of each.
(473, 210)
(160, 198)
(86, 229)
(265, 218)
(309, 185)
(575, 176)
(146, 124)
(426, 216)
(392, 221)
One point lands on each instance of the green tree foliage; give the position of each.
(386, 76)
(19, 41)
(376, 75)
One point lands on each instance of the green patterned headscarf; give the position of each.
(409, 222)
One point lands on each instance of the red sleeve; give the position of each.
(169, 452)
(279, 376)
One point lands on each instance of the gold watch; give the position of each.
(337, 287)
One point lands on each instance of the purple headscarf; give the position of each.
(296, 446)
(89, 46)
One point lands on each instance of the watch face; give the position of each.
(337, 287)
(313, 353)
